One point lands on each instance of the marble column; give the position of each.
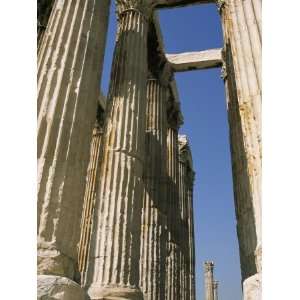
(90, 193)
(173, 211)
(186, 182)
(215, 288)
(113, 267)
(241, 21)
(154, 234)
(191, 235)
(183, 220)
(208, 280)
(69, 69)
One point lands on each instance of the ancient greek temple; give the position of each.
(115, 178)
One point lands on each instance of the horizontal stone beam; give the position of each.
(180, 3)
(188, 61)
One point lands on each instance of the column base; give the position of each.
(51, 261)
(114, 293)
(51, 287)
(252, 287)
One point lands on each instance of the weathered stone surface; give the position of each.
(69, 68)
(154, 233)
(186, 185)
(189, 61)
(242, 55)
(117, 292)
(70, 56)
(252, 287)
(173, 210)
(115, 247)
(90, 192)
(52, 287)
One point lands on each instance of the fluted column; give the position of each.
(191, 235)
(242, 54)
(69, 69)
(208, 280)
(182, 225)
(173, 210)
(154, 234)
(113, 268)
(186, 182)
(183, 270)
(215, 288)
(90, 193)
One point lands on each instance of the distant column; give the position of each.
(241, 21)
(208, 280)
(69, 72)
(215, 288)
(153, 235)
(113, 267)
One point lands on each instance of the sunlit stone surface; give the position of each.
(115, 182)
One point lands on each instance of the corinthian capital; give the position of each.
(144, 7)
(208, 266)
(220, 5)
(166, 74)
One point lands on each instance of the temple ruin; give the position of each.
(115, 179)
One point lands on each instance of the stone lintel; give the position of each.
(188, 61)
(180, 3)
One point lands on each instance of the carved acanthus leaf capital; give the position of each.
(190, 177)
(220, 5)
(208, 266)
(166, 74)
(144, 7)
(224, 73)
(174, 117)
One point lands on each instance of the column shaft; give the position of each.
(186, 180)
(242, 36)
(69, 68)
(154, 235)
(192, 286)
(173, 216)
(172, 270)
(113, 269)
(90, 197)
(183, 226)
(215, 288)
(208, 280)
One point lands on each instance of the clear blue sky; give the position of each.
(203, 105)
